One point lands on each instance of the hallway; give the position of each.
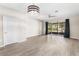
(45, 45)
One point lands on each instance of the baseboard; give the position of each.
(34, 36)
(74, 38)
(21, 40)
(27, 38)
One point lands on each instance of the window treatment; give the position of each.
(67, 29)
(46, 28)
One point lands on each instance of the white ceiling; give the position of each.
(64, 9)
(16, 6)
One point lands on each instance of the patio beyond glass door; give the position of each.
(61, 27)
(56, 28)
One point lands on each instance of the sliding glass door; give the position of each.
(61, 27)
(56, 28)
(49, 27)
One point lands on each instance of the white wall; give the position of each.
(74, 27)
(16, 30)
(19, 26)
(43, 27)
(1, 31)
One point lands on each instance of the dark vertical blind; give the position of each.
(46, 28)
(67, 29)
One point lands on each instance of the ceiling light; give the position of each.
(33, 8)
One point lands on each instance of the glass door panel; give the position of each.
(56, 27)
(49, 27)
(61, 27)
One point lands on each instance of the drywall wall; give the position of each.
(16, 30)
(17, 27)
(43, 27)
(1, 31)
(74, 27)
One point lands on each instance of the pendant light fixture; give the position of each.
(33, 8)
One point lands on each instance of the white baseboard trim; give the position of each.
(22, 40)
(74, 38)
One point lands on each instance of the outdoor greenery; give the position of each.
(56, 27)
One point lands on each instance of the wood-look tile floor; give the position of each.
(46, 45)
